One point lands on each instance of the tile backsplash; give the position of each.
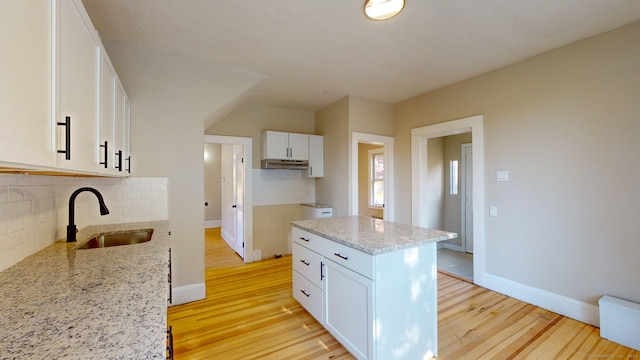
(34, 210)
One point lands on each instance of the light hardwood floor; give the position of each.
(249, 314)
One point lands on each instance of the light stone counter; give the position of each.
(106, 303)
(372, 236)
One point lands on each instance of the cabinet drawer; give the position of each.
(348, 257)
(308, 263)
(307, 239)
(308, 295)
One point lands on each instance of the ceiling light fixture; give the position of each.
(382, 9)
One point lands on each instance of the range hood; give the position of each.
(284, 164)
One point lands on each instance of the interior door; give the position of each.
(468, 196)
(238, 193)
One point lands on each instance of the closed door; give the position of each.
(238, 193)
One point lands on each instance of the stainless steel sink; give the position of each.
(118, 239)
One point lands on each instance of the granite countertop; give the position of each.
(317, 205)
(372, 236)
(106, 303)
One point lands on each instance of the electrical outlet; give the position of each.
(493, 211)
(502, 175)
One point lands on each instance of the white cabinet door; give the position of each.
(316, 156)
(298, 146)
(121, 134)
(77, 85)
(108, 80)
(275, 145)
(348, 299)
(25, 83)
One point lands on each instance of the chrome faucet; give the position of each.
(71, 228)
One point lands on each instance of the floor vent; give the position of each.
(620, 321)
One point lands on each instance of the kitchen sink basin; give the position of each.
(118, 239)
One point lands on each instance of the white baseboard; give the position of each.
(256, 256)
(212, 224)
(188, 293)
(228, 238)
(453, 247)
(560, 304)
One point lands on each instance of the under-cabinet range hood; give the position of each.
(284, 164)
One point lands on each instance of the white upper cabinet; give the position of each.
(114, 129)
(25, 84)
(316, 156)
(108, 80)
(77, 87)
(283, 145)
(60, 98)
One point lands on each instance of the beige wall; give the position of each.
(274, 224)
(435, 183)
(370, 116)
(252, 120)
(333, 123)
(453, 203)
(212, 186)
(171, 98)
(363, 182)
(337, 122)
(565, 125)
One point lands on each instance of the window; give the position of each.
(453, 177)
(376, 177)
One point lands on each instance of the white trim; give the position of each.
(188, 293)
(562, 305)
(387, 141)
(463, 193)
(249, 253)
(419, 137)
(208, 224)
(452, 247)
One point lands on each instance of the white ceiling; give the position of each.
(314, 52)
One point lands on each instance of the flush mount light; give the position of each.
(382, 9)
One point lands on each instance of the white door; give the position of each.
(238, 193)
(467, 168)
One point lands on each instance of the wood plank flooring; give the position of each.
(249, 314)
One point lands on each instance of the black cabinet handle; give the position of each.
(106, 154)
(119, 166)
(305, 293)
(301, 238)
(170, 343)
(169, 278)
(341, 256)
(67, 140)
(321, 271)
(305, 262)
(129, 164)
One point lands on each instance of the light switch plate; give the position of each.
(502, 175)
(493, 211)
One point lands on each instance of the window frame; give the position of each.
(372, 154)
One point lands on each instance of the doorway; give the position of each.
(423, 196)
(236, 198)
(386, 143)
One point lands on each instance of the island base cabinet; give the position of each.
(349, 309)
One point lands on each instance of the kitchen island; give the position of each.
(370, 283)
(104, 303)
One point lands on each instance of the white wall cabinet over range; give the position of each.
(376, 281)
(283, 145)
(52, 91)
